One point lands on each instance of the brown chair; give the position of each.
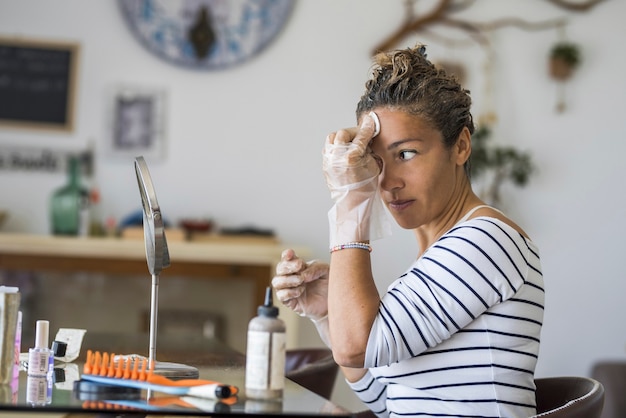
(612, 375)
(560, 397)
(313, 368)
(569, 396)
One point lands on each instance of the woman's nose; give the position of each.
(387, 180)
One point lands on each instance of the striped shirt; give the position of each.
(457, 335)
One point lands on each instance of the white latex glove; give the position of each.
(303, 287)
(351, 173)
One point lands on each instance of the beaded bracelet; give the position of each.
(359, 245)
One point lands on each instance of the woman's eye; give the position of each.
(407, 154)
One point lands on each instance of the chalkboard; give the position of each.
(37, 84)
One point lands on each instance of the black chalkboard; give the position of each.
(37, 84)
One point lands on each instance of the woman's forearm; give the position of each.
(353, 302)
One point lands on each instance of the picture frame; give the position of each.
(137, 121)
(38, 82)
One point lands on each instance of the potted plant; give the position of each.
(565, 57)
(497, 164)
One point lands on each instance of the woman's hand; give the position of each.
(348, 160)
(351, 172)
(302, 286)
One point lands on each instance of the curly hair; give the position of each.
(406, 80)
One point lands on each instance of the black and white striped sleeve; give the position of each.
(473, 267)
(372, 393)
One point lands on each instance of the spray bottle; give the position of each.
(265, 354)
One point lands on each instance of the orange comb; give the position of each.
(101, 368)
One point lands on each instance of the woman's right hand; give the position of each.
(302, 286)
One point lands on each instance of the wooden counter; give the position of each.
(253, 258)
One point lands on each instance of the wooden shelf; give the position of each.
(217, 258)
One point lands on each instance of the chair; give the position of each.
(612, 375)
(560, 397)
(571, 397)
(313, 368)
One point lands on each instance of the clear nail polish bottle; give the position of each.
(41, 358)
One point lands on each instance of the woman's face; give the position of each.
(419, 177)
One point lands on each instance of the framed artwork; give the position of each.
(137, 122)
(38, 84)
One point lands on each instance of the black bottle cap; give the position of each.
(222, 391)
(268, 309)
(59, 348)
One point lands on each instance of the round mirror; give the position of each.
(157, 254)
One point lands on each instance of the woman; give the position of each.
(458, 333)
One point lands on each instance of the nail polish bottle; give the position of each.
(41, 358)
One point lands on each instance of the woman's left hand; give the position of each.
(301, 286)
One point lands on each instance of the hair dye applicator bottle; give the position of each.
(265, 354)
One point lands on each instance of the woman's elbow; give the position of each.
(349, 358)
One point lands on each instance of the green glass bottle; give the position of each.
(70, 204)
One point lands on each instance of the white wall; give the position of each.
(244, 144)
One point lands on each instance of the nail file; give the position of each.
(376, 122)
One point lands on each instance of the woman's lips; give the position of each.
(400, 205)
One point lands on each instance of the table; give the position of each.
(220, 363)
(221, 257)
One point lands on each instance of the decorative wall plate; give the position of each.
(206, 34)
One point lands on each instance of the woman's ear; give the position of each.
(463, 146)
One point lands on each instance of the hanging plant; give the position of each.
(497, 164)
(565, 57)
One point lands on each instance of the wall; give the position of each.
(244, 144)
